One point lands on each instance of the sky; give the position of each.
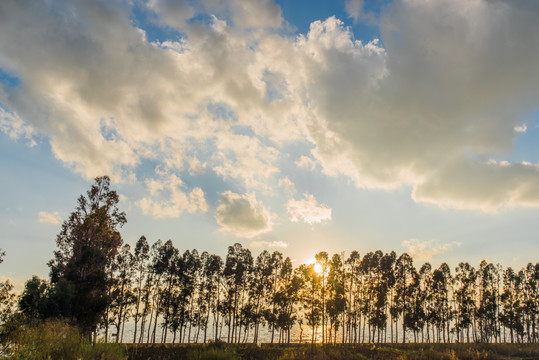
(293, 125)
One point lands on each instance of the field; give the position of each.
(364, 351)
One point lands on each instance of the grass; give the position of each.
(327, 352)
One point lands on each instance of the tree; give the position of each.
(142, 250)
(404, 273)
(87, 245)
(465, 279)
(7, 299)
(34, 300)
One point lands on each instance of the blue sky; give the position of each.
(297, 126)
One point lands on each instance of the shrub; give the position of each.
(56, 339)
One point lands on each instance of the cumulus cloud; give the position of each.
(243, 215)
(308, 210)
(169, 186)
(426, 249)
(49, 218)
(426, 110)
(440, 97)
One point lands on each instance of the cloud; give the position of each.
(247, 13)
(15, 127)
(426, 110)
(353, 8)
(305, 162)
(287, 184)
(426, 249)
(268, 244)
(418, 115)
(521, 128)
(243, 215)
(308, 210)
(49, 218)
(173, 13)
(176, 201)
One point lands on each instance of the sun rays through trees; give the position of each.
(158, 293)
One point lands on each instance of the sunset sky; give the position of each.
(293, 125)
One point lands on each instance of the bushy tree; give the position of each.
(87, 245)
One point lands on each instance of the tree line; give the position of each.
(166, 295)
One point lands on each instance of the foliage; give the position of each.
(56, 339)
(87, 245)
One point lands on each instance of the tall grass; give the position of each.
(55, 339)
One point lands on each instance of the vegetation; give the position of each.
(168, 296)
(340, 351)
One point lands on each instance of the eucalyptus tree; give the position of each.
(152, 290)
(510, 302)
(405, 273)
(530, 300)
(440, 291)
(189, 278)
(322, 259)
(414, 316)
(384, 289)
(87, 245)
(140, 263)
(286, 298)
(275, 267)
(259, 290)
(426, 297)
(487, 301)
(237, 269)
(310, 298)
(372, 277)
(165, 266)
(213, 273)
(353, 290)
(336, 304)
(122, 296)
(208, 291)
(464, 294)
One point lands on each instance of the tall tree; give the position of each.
(87, 244)
(141, 256)
(405, 274)
(465, 279)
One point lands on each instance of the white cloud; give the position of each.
(308, 210)
(426, 249)
(243, 215)
(175, 201)
(287, 184)
(268, 244)
(305, 162)
(521, 128)
(247, 13)
(446, 92)
(49, 218)
(353, 8)
(196, 167)
(173, 13)
(15, 127)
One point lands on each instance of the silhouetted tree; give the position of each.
(87, 244)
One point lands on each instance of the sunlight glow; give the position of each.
(318, 268)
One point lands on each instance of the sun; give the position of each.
(318, 268)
